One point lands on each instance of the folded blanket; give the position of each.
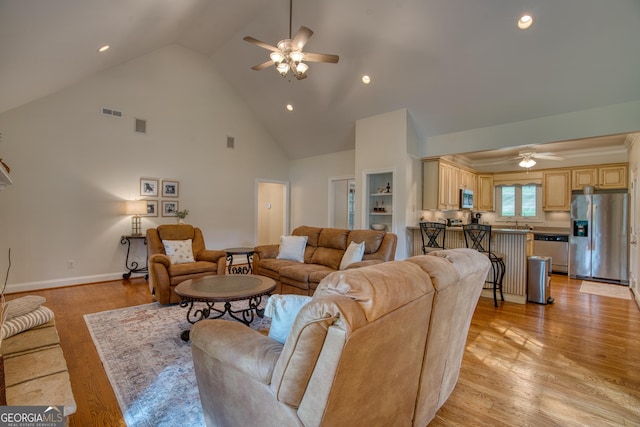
(15, 325)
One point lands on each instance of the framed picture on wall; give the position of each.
(169, 207)
(152, 208)
(148, 187)
(169, 188)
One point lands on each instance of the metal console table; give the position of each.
(133, 266)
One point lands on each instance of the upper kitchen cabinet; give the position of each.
(484, 195)
(602, 177)
(556, 190)
(441, 184)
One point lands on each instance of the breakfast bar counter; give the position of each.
(516, 245)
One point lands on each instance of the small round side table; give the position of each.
(240, 269)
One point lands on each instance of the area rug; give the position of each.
(150, 368)
(605, 290)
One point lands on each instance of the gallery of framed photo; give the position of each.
(152, 208)
(148, 187)
(169, 207)
(170, 188)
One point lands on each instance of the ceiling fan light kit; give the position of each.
(288, 55)
(527, 162)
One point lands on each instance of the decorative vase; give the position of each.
(180, 221)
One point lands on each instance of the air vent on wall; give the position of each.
(141, 126)
(111, 112)
(231, 142)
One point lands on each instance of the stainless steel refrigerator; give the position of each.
(598, 244)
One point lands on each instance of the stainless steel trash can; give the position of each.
(539, 279)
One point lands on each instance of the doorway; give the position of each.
(272, 213)
(342, 202)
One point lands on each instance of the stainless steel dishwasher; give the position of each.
(555, 246)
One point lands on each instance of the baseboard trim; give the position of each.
(13, 288)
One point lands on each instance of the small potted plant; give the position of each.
(182, 215)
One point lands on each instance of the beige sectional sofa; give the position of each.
(375, 346)
(323, 253)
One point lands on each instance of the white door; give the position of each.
(272, 212)
(341, 202)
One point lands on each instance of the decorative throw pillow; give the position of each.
(179, 251)
(23, 305)
(354, 253)
(283, 310)
(37, 317)
(292, 248)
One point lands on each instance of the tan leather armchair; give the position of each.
(165, 276)
(376, 346)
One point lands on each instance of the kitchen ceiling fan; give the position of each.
(527, 158)
(288, 55)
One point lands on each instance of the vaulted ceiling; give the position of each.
(454, 64)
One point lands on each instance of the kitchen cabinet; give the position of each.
(483, 200)
(467, 180)
(602, 177)
(581, 178)
(441, 184)
(448, 194)
(556, 190)
(614, 176)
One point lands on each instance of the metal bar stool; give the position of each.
(478, 237)
(433, 234)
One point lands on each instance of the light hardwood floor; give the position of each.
(573, 363)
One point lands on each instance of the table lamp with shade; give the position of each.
(136, 208)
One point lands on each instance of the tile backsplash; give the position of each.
(551, 219)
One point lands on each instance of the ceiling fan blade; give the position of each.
(301, 38)
(548, 156)
(261, 44)
(262, 66)
(321, 57)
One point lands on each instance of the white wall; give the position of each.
(385, 143)
(309, 179)
(72, 167)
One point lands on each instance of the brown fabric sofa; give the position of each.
(164, 276)
(376, 346)
(322, 256)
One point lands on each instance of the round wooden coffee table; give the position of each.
(212, 289)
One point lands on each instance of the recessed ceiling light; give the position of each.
(525, 22)
(289, 107)
(366, 79)
(103, 48)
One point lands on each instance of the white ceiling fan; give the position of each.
(288, 55)
(527, 158)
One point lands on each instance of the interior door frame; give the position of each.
(286, 207)
(331, 204)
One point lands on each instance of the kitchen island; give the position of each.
(516, 245)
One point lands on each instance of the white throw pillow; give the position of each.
(179, 251)
(292, 248)
(283, 310)
(354, 253)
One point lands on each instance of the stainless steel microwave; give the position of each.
(466, 198)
